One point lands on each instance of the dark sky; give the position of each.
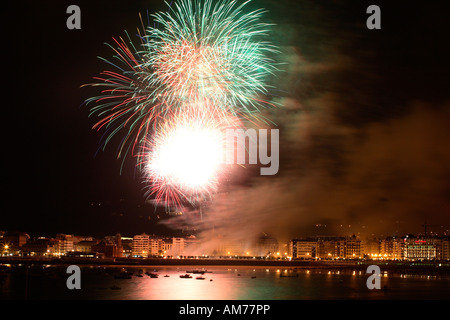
(364, 126)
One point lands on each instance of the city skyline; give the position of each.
(429, 246)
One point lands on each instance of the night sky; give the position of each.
(364, 128)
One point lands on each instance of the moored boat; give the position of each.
(152, 275)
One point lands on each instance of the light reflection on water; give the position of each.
(228, 283)
(176, 288)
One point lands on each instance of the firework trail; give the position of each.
(199, 53)
(126, 103)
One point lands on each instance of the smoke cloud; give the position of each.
(361, 150)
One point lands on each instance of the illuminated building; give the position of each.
(11, 242)
(167, 246)
(445, 249)
(372, 247)
(64, 244)
(419, 249)
(145, 245)
(391, 248)
(119, 247)
(442, 247)
(156, 246)
(429, 248)
(303, 248)
(353, 248)
(85, 246)
(141, 245)
(127, 246)
(37, 247)
(326, 248)
(177, 247)
(109, 247)
(330, 247)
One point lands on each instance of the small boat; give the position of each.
(185, 276)
(210, 279)
(200, 278)
(152, 275)
(166, 276)
(253, 277)
(139, 275)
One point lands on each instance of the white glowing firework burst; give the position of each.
(185, 159)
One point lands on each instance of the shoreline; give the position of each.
(393, 267)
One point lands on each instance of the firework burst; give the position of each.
(185, 159)
(202, 66)
(210, 51)
(199, 50)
